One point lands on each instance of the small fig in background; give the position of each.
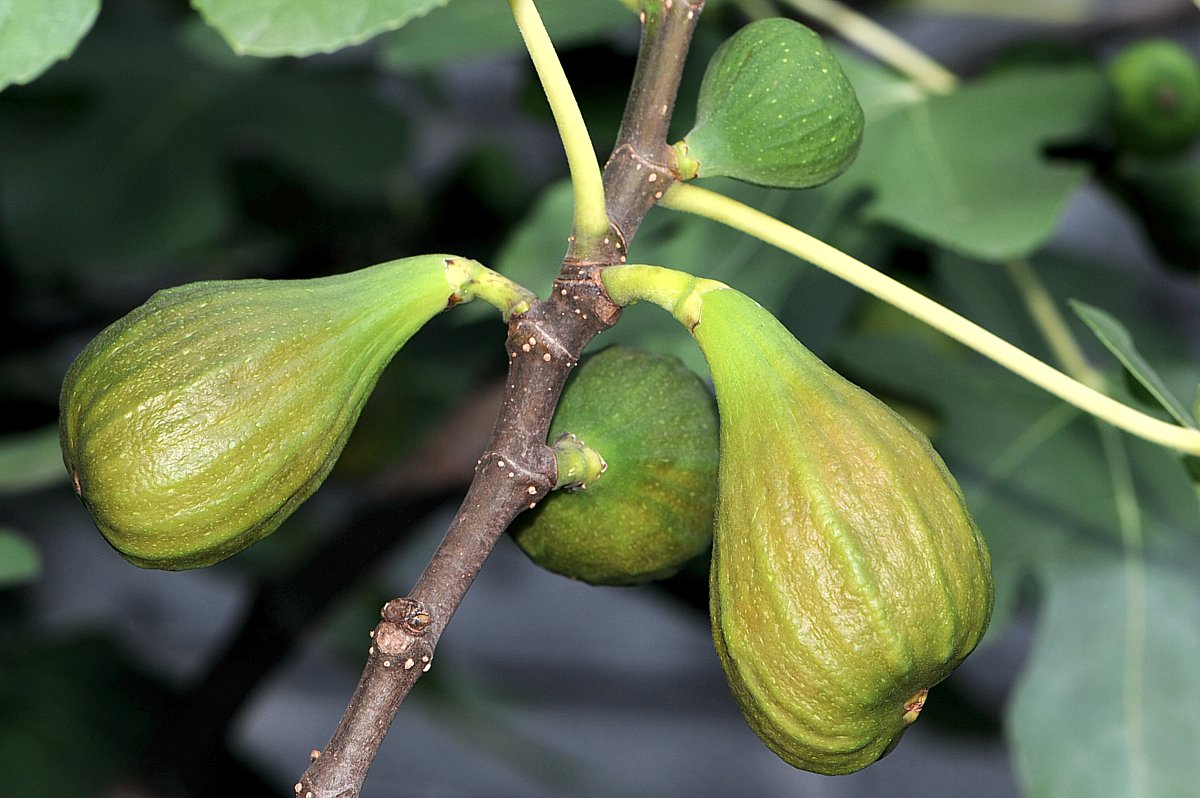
(1157, 86)
(196, 424)
(655, 424)
(775, 108)
(848, 576)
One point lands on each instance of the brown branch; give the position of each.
(517, 469)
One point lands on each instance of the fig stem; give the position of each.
(578, 464)
(717, 207)
(674, 291)
(591, 216)
(470, 280)
(880, 42)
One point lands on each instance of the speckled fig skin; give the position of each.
(848, 576)
(655, 424)
(196, 424)
(775, 108)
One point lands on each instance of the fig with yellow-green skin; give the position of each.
(196, 424)
(654, 423)
(848, 577)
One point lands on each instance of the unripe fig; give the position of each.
(1157, 85)
(654, 423)
(775, 108)
(196, 424)
(848, 576)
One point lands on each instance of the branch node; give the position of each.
(409, 614)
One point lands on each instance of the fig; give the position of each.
(775, 108)
(848, 576)
(193, 426)
(655, 425)
(1157, 87)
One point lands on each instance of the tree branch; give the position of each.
(640, 168)
(518, 469)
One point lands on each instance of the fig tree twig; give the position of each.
(518, 468)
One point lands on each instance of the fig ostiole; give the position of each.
(775, 108)
(848, 576)
(193, 426)
(639, 430)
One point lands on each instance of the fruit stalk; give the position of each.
(711, 205)
(591, 218)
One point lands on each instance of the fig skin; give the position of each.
(775, 108)
(848, 576)
(655, 425)
(193, 426)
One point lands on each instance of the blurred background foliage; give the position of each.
(153, 155)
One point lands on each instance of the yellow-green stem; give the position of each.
(471, 280)
(591, 217)
(702, 202)
(880, 42)
(1052, 325)
(1049, 320)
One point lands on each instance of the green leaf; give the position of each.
(31, 460)
(967, 171)
(19, 561)
(36, 33)
(134, 154)
(1106, 703)
(1117, 339)
(468, 29)
(1037, 481)
(304, 27)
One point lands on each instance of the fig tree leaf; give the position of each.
(1105, 705)
(138, 142)
(468, 29)
(1117, 340)
(19, 561)
(968, 171)
(1037, 479)
(31, 460)
(304, 27)
(34, 34)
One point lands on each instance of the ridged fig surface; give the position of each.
(775, 108)
(196, 424)
(655, 424)
(848, 576)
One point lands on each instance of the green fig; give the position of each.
(655, 425)
(775, 108)
(196, 424)
(848, 577)
(1157, 86)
